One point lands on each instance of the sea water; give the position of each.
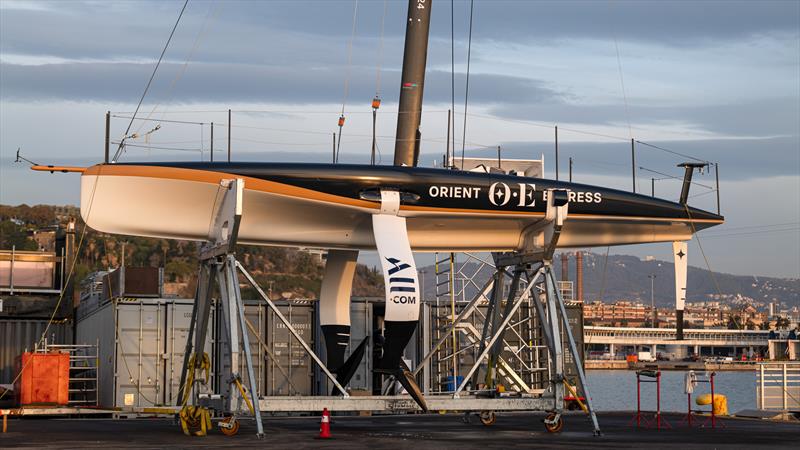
(615, 390)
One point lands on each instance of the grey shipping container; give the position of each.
(280, 364)
(19, 335)
(141, 348)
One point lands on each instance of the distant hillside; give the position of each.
(626, 278)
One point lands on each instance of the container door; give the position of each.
(254, 312)
(139, 340)
(360, 328)
(178, 319)
(290, 371)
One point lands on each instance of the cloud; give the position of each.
(204, 82)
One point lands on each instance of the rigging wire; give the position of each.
(466, 88)
(380, 53)
(726, 229)
(213, 7)
(452, 82)
(745, 233)
(671, 151)
(376, 101)
(347, 78)
(121, 147)
(667, 176)
(700, 245)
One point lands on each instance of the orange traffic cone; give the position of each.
(325, 425)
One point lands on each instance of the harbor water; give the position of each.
(615, 390)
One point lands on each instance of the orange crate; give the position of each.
(44, 379)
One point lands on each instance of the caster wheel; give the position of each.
(553, 427)
(233, 429)
(488, 418)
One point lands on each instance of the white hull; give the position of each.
(182, 209)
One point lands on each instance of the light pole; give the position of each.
(652, 277)
(422, 285)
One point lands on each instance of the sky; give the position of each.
(717, 81)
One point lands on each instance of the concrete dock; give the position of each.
(513, 430)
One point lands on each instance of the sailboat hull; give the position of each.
(330, 206)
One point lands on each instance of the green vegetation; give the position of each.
(288, 271)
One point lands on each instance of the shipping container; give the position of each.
(141, 348)
(136, 282)
(280, 364)
(27, 270)
(21, 335)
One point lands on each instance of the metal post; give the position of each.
(570, 169)
(499, 160)
(556, 152)
(374, 119)
(576, 357)
(633, 164)
(716, 173)
(333, 159)
(713, 405)
(415, 57)
(108, 135)
(652, 277)
(229, 135)
(452, 288)
(638, 400)
(658, 400)
(11, 270)
(447, 154)
(212, 141)
(233, 283)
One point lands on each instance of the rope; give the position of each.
(149, 82)
(466, 88)
(195, 416)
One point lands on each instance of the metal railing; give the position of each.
(778, 386)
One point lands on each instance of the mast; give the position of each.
(406, 147)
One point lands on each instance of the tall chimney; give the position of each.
(412, 83)
(565, 266)
(579, 275)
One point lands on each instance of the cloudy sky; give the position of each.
(719, 81)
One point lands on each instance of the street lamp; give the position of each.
(652, 277)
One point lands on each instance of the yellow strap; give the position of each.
(575, 395)
(244, 396)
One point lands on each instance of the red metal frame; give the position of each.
(658, 419)
(713, 417)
